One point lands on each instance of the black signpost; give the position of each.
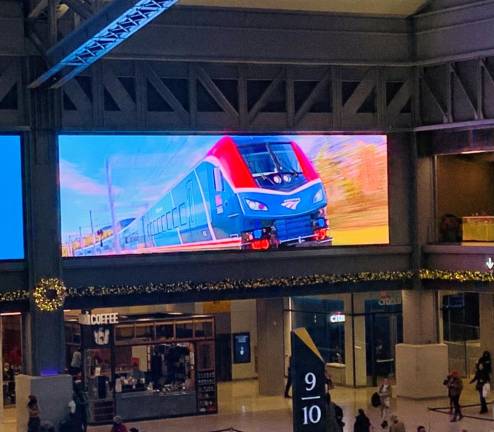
(309, 386)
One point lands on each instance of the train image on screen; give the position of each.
(247, 193)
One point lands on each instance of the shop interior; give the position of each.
(147, 366)
(10, 326)
(195, 358)
(465, 202)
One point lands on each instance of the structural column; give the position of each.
(355, 341)
(270, 352)
(421, 348)
(486, 307)
(43, 331)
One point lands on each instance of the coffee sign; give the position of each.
(98, 319)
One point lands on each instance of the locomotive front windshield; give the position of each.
(269, 158)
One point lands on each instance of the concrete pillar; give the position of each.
(355, 344)
(53, 393)
(420, 317)
(414, 377)
(486, 308)
(43, 332)
(244, 319)
(270, 346)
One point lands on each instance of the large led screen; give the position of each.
(127, 194)
(11, 216)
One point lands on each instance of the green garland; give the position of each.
(232, 285)
(184, 287)
(457, 276)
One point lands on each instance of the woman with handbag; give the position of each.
(482, 385)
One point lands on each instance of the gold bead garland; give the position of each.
(49, 294)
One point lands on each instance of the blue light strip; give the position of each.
(105, 40)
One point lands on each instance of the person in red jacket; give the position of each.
(118, 425)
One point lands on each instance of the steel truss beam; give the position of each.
(98, 36)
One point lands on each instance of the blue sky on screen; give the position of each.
(143, 168)
(12, 244)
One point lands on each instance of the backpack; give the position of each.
(375, 400)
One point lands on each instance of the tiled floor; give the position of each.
(242, 408)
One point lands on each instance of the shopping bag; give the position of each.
(486, 389)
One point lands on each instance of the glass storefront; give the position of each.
(356, 333)
(143, 366)
(460, 329)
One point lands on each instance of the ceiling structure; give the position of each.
(374, 7)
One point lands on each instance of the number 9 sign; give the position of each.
(309, 397)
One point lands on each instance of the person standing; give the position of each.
(455, 387)
(118, 425)
(289, 378)
(34, 422)
(396, 425)
(362, 422)
(482, 380)
(384, 392)
(486, 362)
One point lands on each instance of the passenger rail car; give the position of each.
(246, 193)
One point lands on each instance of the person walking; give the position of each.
(486, 363)
(455, 387)
(118, 425)
(289, 378)
(362, 422)
(396, 425)
(482, 381)
(34, 422)
(384, 392)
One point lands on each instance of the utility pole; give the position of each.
(92, 231)
(115, 227)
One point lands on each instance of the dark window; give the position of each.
(218, 180)
(169, 224)
(181, 214)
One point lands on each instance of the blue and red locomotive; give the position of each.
(246, 193)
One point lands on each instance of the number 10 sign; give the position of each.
(309, 387)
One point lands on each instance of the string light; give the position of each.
(50, 293)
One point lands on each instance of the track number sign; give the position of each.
(309, 397)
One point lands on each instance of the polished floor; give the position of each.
(242, 408)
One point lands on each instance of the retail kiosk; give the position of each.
(143, 366)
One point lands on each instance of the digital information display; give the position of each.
(129, 194)
(11, 216)
(241, 348)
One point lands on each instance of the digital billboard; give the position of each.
(11, 216)
(129, 194)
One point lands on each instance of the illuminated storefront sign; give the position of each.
(98, 319)
(337, 318)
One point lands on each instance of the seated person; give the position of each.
(136, 373)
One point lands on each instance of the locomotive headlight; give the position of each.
(256, 205)
(287, 178)
(277, 179)
(318, 196)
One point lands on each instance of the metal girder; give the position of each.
(98, 36)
